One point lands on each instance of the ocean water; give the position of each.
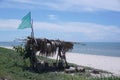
(94, 48)
(10, 44)
(98, 48)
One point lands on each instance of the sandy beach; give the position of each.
(110, 64)
(8, 47)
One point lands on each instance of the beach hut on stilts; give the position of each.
(45, 47)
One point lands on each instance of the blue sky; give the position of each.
(70, 20)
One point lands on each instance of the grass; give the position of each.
(12, 67)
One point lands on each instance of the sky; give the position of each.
(69, 20)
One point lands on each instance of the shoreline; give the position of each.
(110, 64)
(106, 63)
(8, 47)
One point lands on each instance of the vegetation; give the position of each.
(12, 67)
(46, 47)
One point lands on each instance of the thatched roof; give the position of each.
(50, 47)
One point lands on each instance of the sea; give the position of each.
(93, 48)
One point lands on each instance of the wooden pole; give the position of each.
(32, 33)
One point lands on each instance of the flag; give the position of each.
(26, 22)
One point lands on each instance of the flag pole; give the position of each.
(32, 33)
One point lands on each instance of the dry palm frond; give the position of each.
(49, 47)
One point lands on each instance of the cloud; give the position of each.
(91, 31)
(21, 1)
(52, 17)
(66, 5)
(9, 23)
(93, 5)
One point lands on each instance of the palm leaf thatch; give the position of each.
(49, 47)
(46, 48)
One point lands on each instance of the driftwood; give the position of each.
(70, 70)
(95, 71)
(80, 69)
(74, 69)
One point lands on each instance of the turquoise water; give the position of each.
(94, 48)
(10, 44)
(98, 48)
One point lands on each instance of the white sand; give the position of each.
(111, 64)
(8, 47)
